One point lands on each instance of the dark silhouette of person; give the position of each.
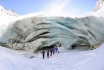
(50, 51)
(43, 53)
(47, 53)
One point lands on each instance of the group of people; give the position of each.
(50, 51)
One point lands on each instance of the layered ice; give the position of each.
(36, 32)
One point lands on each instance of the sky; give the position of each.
(23, 7)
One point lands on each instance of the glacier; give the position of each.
(33, 32)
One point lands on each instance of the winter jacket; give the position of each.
(43, 52)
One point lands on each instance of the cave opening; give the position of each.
(81, 46)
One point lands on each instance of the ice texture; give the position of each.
(37, 32)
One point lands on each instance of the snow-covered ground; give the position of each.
(66, 60)
(72, 60)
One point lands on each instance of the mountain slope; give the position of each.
(6, 14)
(99, 6)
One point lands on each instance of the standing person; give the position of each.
(92, 47)
(56, 49)
(47, 53)
(59, 48)
(59, 45)
(43, 53)
(51, 51)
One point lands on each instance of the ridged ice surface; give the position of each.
(31, 33)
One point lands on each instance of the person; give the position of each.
(43, 53)
(47, 53)
(53, 50)
(50, 51)
(91, 47)
(59, 48)
(56, 49)
(59, 45)
(94, 46)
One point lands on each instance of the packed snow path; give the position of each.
(72, 60)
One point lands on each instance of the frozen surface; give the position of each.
(31, 32)
(72, 60)
(45, 29)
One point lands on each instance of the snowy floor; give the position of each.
(72, 60)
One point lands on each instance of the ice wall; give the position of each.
(35, 32)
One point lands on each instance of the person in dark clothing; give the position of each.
(47, 53)
(59, 45)
(51, 52)
(43, 53)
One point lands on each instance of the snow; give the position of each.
(71, 60)
(6, 15)
(67, 59)
(99, 6)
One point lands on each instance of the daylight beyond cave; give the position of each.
(35, 32)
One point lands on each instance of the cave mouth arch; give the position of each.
(80, 47)
(82, 43)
